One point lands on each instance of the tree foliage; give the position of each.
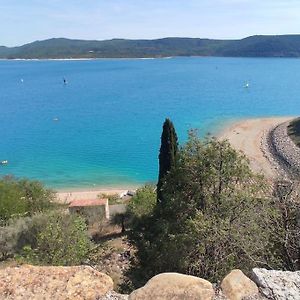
(167, 154)
(62, 241)
(285, 240)
(213, 216)
(18, 233)
(23, 198)
(143, 202)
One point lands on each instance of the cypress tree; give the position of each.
(167, 155)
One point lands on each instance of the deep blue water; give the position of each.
(111, 112)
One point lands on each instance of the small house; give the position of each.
(92, 210)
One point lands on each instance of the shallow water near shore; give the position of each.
(102, 128)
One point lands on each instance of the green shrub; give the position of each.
(23, 197)
(19, 233)
(143, 202)
(62, 241)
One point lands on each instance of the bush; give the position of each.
(23, 198)
(143, 202)
(284, 247)
(63, 240)
(19, 233)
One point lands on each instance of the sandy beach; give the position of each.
(71, 195)
(249, 137)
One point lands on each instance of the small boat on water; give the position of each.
(247, 85)
(4, 162)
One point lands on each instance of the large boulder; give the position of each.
(236, 286)
(55, 283)
(174, 286)
(278, 285)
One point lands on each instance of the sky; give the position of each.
(23, 21)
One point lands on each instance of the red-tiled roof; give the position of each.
(92, 202)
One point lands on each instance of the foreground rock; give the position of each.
(113, 296)
(236, 286)
(278, 285)
(55, 283)
(174, 286)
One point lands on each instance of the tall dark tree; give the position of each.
(167, 155)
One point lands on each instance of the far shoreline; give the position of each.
(87, 58)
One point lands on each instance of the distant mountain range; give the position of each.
(254, 46)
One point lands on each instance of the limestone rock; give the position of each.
(236, 285)
(174, 286)
(55, 283)
(113, 296)
(278, 285)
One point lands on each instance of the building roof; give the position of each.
(91, 202)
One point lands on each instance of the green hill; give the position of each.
(255, 46)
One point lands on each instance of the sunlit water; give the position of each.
(103, 127)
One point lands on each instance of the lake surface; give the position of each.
(103, 127)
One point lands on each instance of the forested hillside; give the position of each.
(255, 46)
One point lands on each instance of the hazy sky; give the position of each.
(23, 21)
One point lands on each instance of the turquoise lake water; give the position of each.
(103, 127)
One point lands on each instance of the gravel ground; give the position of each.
(281, 151)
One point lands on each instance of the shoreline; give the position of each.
(116, 187)
(69, 195)
(251, 136)
(85, 59)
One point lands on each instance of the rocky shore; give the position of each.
(281, 151)
(250, 136)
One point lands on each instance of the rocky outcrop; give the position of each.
(278, 285)
(85, 283)
(236, 286)
(55, 283)
(174, 286)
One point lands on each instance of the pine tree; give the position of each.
(167, 155)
